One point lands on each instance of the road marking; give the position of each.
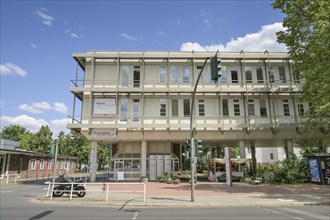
(135, 215)
(273, 211)
(7, 191)
(312, 215)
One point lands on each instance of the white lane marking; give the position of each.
(7, 191)
(135, 215)
(290, 216)
(301, 212)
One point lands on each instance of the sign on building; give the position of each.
(104, 106)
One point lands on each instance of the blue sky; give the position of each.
(39, 37)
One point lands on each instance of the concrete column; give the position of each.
(242, 149)
(289, 148)
(93, 161)
(144, 158)
(254, 160)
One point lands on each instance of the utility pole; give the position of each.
(54, 170)
(215, 75)
(192, 134)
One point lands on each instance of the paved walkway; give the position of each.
(206, 195)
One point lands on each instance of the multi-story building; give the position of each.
(138, 103)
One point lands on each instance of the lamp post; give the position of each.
(54, 170)
(215, 74)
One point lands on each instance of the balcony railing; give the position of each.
(183, 123)
(108, 84)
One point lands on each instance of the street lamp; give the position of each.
(215, 75)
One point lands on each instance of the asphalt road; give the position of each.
(18, 202)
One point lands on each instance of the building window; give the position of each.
(185, 74)
(281, 71)
(271, 156)
(234, 75)
(271, 75)
(123, 109)
(301, 110)
(260, 75)
(162, 74)
(162, 107)
(174, 74)
(223, 74)
(199, 68)
(124, 72)
(263, 108)
(251, 110)
(286, 107)
(33, 164)
(186, 107)
(225, 110)
(248, 74)
(41, 165)
(136, 76)
(49, 164)
(136, 110)
(201, 108)
(237, 111)
(62, 165)
(175, 108)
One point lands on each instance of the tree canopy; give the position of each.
(72, 144)
(307, 35)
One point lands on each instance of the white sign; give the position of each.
(229, 180)
(120, 176)
(104, 106)
(104, 133)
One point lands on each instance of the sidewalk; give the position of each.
(206, 195)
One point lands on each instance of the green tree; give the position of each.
(312, 146)
(79, 146)
(13, 132)
(307, 36)
(104, 155)
(44, 139)
(28, 140)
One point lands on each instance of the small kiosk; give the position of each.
(319, 167)
(217, 170)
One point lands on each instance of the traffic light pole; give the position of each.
(192, 134)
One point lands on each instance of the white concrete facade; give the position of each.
(139, 103)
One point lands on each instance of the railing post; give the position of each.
(144, 191)
(7, 179)
(71, 191)
(107, 196)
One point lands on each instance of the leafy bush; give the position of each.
(288, 171)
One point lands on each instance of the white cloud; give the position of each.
(46, 19)
(58, 125)
(264, 39)
(33, 45)
(31, 124)
(127, 37)
(39, 107)
(11, 69)
(207, 23)
(160, 33)
(60, 107)
(74, 35)
(34, 125)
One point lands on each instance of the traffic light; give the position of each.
(187, 148)
(198, 147)
(51, 149)
(215, 68)
(187, 145)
